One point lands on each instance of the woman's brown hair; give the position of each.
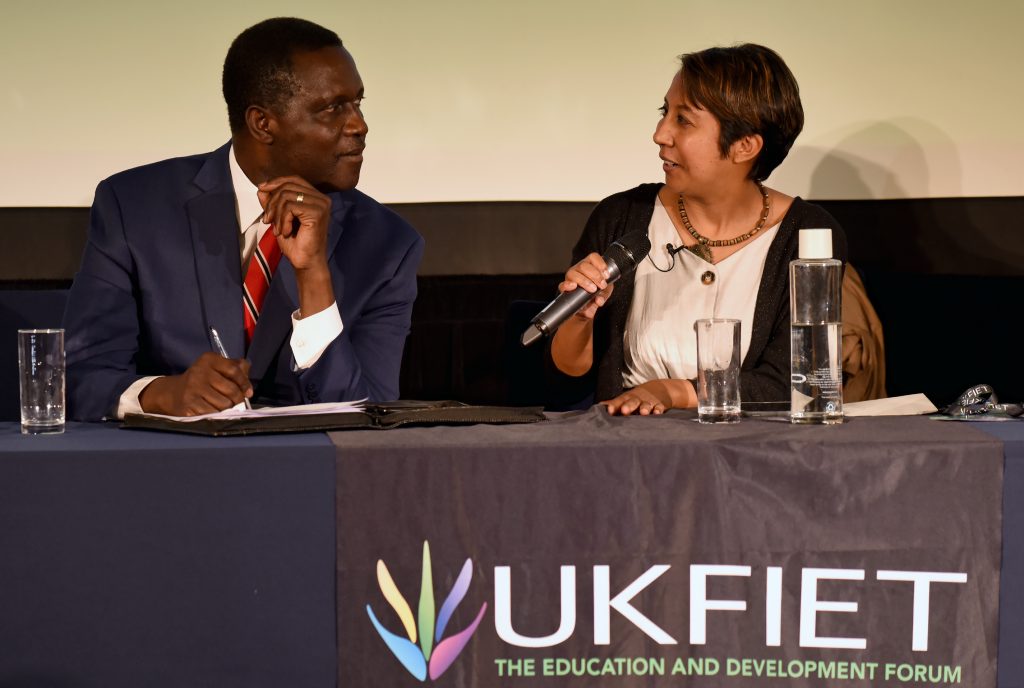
(749, 90)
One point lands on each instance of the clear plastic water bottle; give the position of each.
(815, 292)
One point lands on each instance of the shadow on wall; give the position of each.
(904, 159)
(897, 158)
(857, 177)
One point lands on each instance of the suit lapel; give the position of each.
(341, 206)
(215, 244)
(275, 321)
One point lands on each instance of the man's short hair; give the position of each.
(749, 90)
(258, 66)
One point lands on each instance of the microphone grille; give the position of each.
(631, 248)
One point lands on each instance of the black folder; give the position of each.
(375, 416)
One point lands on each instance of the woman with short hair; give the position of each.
(721, 242)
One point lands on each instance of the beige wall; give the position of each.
(526, 99)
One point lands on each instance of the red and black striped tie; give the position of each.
(257, 281)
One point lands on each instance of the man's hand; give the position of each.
(300, 216)
(213, 383)
(299, 225)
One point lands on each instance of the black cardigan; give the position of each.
(764, 374)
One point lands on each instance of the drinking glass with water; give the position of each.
(718, 370)
(41, 371)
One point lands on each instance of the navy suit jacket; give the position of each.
(161, 267)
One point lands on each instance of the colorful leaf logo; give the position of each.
(425, 657)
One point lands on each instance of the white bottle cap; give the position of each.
(815, 244)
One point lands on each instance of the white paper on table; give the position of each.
(236, 413)
(907, 405)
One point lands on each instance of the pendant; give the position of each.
(701, 250)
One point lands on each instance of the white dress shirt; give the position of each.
(659, 341)
(311, 335)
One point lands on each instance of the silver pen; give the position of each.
(224, 352)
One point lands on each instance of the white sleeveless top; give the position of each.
(659, 340)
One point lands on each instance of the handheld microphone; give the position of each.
(622, 258)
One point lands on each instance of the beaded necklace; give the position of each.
(704, 245)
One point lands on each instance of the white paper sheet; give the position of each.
(907, 405)
(269, 411)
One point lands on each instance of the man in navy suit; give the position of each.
(169, 244)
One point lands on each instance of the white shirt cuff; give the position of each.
(313, 334)
(129, 399)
